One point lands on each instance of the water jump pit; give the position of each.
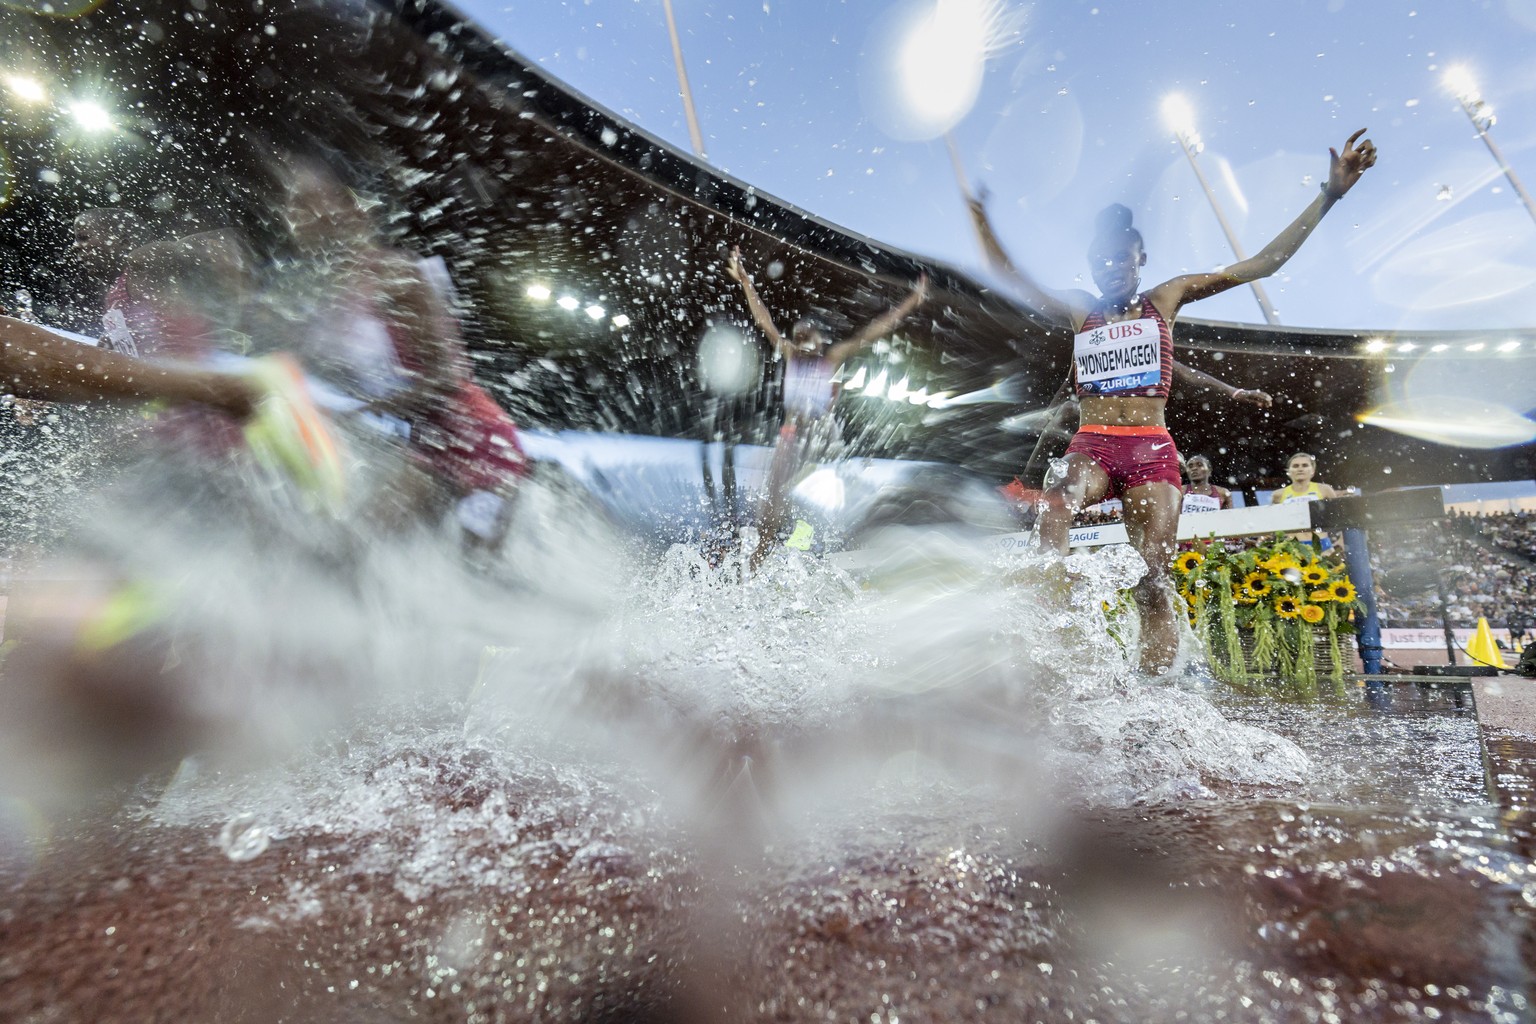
(797, 799)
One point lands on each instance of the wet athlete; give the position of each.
(282, 426)
(1200, 495)
(811, 362)
(1122, 369)
(381, 329)
(1300, 468)
(103, 240)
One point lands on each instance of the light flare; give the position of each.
(933, 64)
(91, 116)
(1179, 116)
(25, 88)
(1458, 79)
(1457, 423)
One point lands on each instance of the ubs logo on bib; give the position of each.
(1122, 356)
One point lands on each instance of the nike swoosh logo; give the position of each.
(1160, 447)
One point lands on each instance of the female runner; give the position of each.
(1122, 369)
(811, 362)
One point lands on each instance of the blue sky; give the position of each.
(1068, 119)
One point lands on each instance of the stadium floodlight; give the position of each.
(25, 88)
(1180, 119)
(539, 292)
(567, 302)
(91, 116)
(1463, 86)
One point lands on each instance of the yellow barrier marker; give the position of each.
(1483, 650)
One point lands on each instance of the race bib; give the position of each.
(1123, 356)
(1201, 503)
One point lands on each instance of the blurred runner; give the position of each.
(380, 328)
(104, 238)
(811, 362)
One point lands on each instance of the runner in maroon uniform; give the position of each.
(382, 329)
(103, 240)
(1122, 367)
(1201, 495)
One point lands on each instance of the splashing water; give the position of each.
(811, 786)
(243, 839)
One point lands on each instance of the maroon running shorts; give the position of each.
(1132, 456)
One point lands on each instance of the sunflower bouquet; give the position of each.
(1263, 612)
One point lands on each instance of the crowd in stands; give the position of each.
(1098, 515)
(1484, 562)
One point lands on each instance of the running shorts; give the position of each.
(1132, 456)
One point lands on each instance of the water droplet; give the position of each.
(242, 839)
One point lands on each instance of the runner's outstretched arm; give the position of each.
(1199, 378)
(1064, 307)
(1344, 169)
(35, 363)
(878, 328)
(760, 313)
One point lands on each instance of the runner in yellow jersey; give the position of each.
(1300, 468)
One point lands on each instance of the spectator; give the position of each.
(1482, 561)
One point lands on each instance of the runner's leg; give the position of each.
(1085, 483)
(1152, 522)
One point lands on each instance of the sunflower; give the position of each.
(1312, 613)
(1342, 590)
(1279, 562)
(1321, 595)
(1312, 574)
(1256, 583)
(1244, 597)
(1186, 562)
(1287, 607)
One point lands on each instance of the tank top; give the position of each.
(1200, 503)
(808, 387)
(1288, 494)
(1127, 358)
(117, 333)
